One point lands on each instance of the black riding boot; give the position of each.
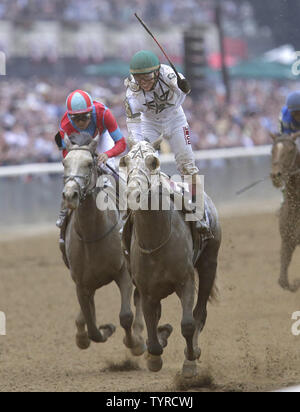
(201, 225)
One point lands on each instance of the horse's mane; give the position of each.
(80, 139)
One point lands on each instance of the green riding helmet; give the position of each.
(144, 62)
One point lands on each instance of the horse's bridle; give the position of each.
(84, 190)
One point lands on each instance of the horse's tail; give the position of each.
(214, 296)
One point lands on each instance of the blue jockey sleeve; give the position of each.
(116, 135)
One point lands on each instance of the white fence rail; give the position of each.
(48, 168)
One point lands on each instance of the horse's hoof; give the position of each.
(82, 341)
(189, 369)
(107, 330)
(164, 333)
(139, 349)
(154, 362)
(284, 284)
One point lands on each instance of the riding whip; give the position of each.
(239, 192)
(114, 172)
(146, 28)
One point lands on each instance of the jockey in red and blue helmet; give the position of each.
(85, 115)
(79, 102)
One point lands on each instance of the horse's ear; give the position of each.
(273, 136)
(130, 141)
(94, 143)
(152, 162)
(295, 136)
(124, 161)
(67, 142)
(158, 142)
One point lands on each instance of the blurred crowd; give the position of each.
(119, 12)
(30, 112)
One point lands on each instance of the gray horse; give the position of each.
(93, 247)
(160, 259)
(286, 175)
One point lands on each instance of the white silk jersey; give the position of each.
(163, 102)
(159, 112)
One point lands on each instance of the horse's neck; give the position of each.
(152, 227)
(293, 190)
(88, 218)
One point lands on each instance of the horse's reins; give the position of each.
(83, 193)
(102, 236)
(151, 251)
(141, 171)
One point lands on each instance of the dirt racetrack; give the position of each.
(247, 344)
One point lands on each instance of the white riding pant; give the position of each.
(176, 132)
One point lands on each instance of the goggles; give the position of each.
(144, 78)
(80, 117)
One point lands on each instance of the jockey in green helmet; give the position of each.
(153, 103)
(144, 66)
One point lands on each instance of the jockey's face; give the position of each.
(296, 116)
(146, 81)
(82, 120)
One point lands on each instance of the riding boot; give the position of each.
(61, 218)
(202, 226)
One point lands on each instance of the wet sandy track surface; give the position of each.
(247, 343)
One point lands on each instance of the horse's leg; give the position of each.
(206, 270)
(138, 323)
(186, 294)
(87, 304)
(151, 310)
(126, 316)
(287, 250)
(82, 339)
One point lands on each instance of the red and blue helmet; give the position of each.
(79, 102)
